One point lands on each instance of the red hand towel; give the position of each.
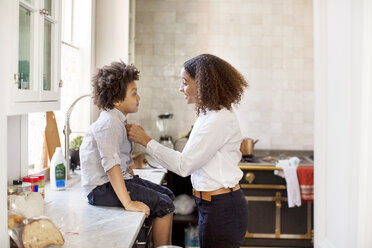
(306, 181)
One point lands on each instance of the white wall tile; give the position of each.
(269, 41)
(165, 17)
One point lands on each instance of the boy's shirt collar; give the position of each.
(119, 114)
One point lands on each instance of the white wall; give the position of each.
(18, 142)
(269, 42)
(343, 123)
(112, 27)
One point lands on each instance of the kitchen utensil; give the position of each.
(247, 145)
(163, 125)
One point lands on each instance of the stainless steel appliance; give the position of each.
(163, 125)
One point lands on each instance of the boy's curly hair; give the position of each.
(110, 83)
(219, 84)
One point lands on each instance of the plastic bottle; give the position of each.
(58, 173)
(191, 237)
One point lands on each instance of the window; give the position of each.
(75, 73)
(67, 23)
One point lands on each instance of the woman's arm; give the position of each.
(117, 182)
(207, 138)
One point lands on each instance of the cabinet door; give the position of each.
(49, 50)
(25, 86)
(38, 51)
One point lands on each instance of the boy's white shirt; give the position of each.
(105, 145)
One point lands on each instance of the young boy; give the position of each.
(105, 154)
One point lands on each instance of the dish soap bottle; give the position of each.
(58, 173)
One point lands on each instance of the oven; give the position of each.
(271, 222)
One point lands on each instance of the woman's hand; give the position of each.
(137, 134)
(137, 206)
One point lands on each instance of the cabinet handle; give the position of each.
(250, 177)
(16, 76)
(60, 83)
(44, 12)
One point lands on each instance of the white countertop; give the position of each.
(84, 225)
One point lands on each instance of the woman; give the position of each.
(212, 154)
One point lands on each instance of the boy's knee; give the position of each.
(166, 204)
(170, 194)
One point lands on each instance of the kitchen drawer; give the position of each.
(262, 177)
(256, 182)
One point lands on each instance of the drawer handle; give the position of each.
(250, 177)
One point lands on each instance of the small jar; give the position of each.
(18, 184)
(34, 182)
(25, 187)
(12, 190)
(41, 183)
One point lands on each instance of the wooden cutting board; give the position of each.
(51, 135)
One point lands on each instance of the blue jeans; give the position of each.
(158, 198)
(223, 221)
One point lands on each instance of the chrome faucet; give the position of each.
(67, 132)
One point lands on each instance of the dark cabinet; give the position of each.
(271, 222)
(180, 185)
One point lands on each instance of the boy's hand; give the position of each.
(137, 206)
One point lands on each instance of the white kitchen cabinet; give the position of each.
(33, 81)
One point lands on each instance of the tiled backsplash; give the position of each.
(269, 41)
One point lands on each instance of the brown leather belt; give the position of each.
(207, 195)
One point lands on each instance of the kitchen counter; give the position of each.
(269, 158)
(84, 225)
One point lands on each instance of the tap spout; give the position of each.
(67, 131)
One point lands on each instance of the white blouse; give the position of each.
(211, 155)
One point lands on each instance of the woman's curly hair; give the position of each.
(110, 83)
(219, 84)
